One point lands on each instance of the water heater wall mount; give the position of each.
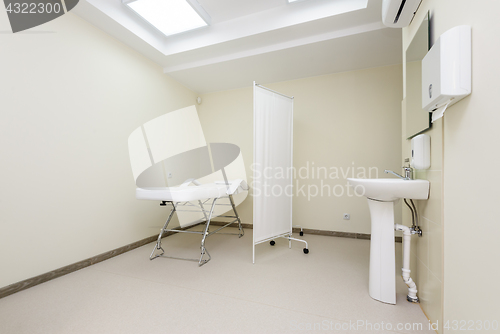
(446, 69)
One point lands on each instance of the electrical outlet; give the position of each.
(169, 175)
(347, 216)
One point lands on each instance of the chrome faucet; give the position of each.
(394, 173)
(408, 171)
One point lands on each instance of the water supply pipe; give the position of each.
(412, 287)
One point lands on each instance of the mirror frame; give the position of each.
(426, 20)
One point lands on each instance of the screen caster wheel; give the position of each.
(272, 243)
(301, 233)
(306, 251)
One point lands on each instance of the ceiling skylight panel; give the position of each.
(170, 16)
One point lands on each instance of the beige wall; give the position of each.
(468, 138)
(426, 251)
(341, 120)
(70, 96)
(471, 247)
(427, 254)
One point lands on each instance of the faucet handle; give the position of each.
(408, 173)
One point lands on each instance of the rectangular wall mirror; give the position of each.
(417, 119)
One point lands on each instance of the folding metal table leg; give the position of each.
(158, 242)
(242, 233)
(205, 233)
(203, 210)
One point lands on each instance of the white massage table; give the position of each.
(184, 196)
(171, 148)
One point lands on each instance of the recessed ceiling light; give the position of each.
(170, 16)
(294, 0)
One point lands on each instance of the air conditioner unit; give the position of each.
(399, 13)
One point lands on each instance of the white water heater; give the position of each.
(446, 69)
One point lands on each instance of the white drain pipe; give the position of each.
(412, 287)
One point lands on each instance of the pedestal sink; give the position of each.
(381, 195)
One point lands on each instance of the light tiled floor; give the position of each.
(285, 291)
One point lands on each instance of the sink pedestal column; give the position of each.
(382, 285)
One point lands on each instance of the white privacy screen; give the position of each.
(272, 190)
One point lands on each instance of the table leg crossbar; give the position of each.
(202, 260)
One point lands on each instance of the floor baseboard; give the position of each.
(31, 282)
(362, 236)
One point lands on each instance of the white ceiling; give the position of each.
(262, 40)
